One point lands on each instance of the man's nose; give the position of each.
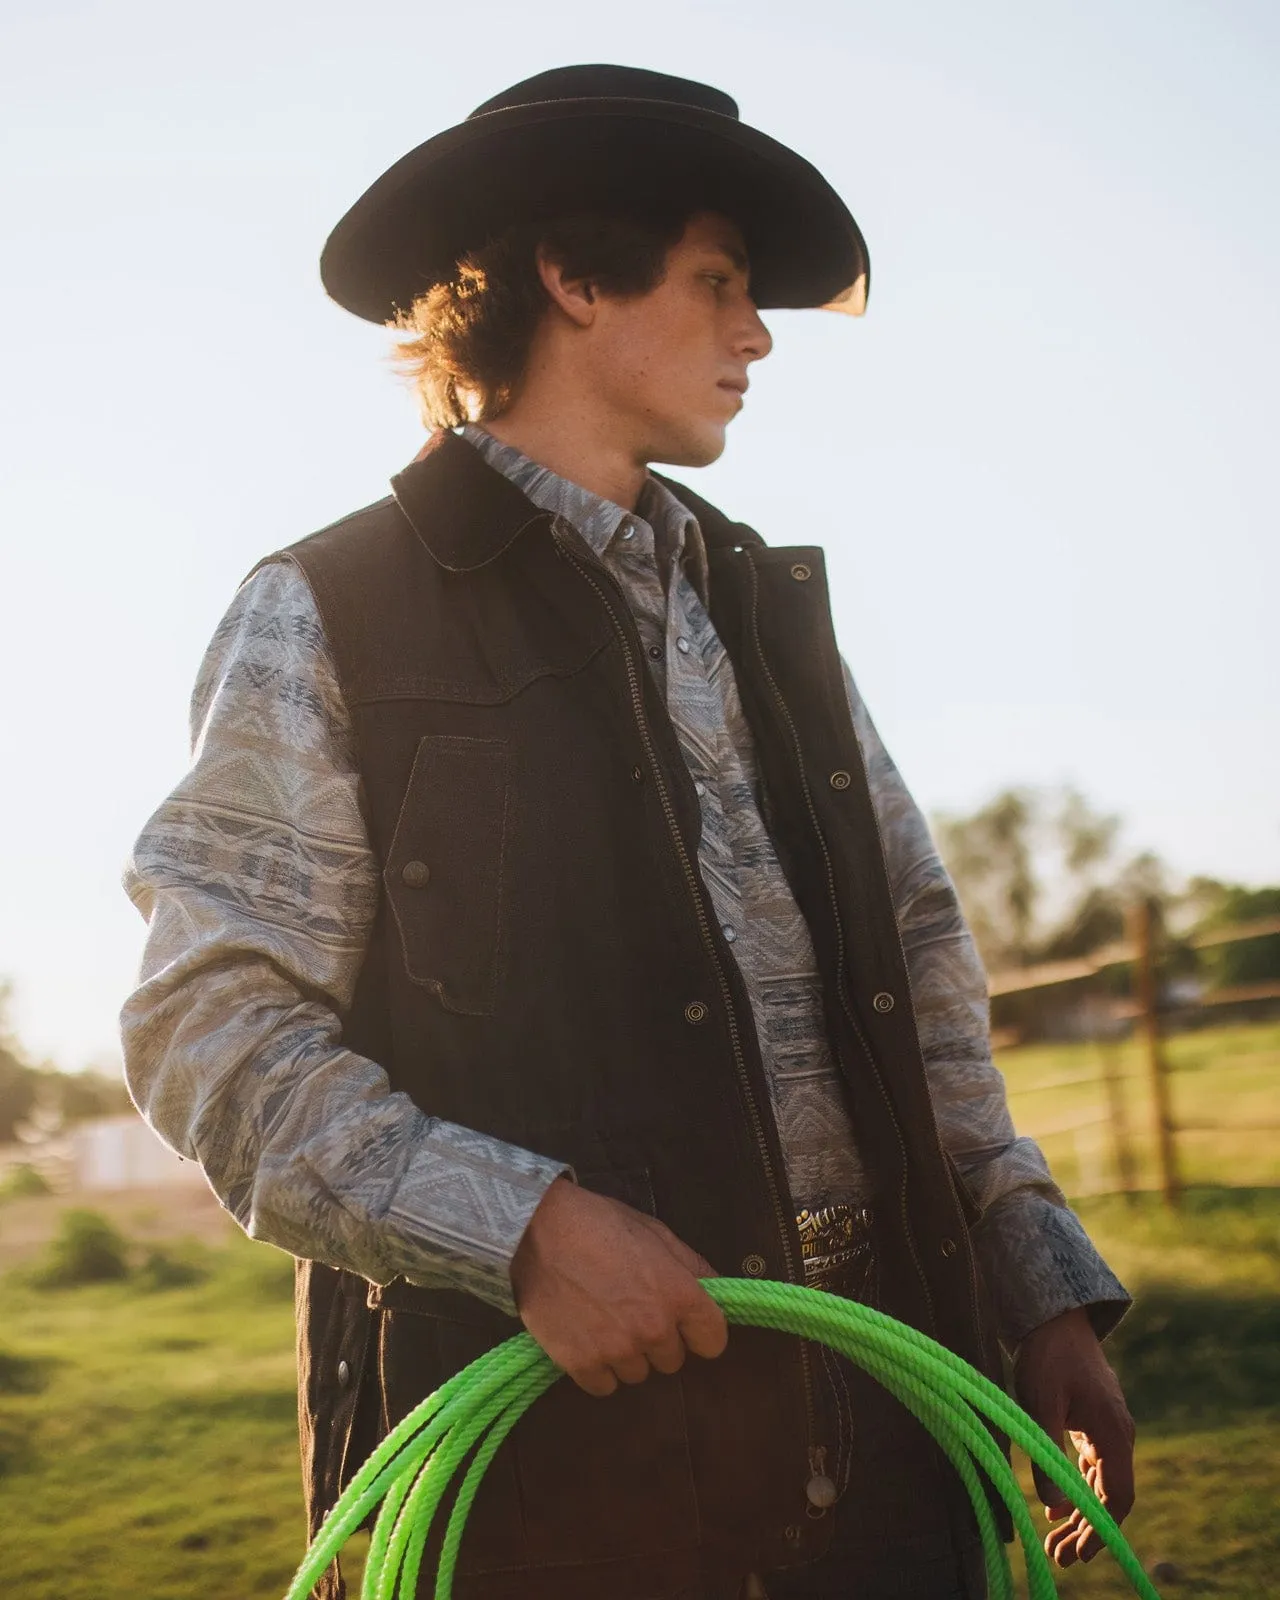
(756, 340)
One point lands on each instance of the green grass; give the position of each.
(148, 1437)
(152, 1444)
(1225, 1075)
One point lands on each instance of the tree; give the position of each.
(1223, 905)
(70, 1096)
(989, 855)
(19, 1082)
(1040, 876)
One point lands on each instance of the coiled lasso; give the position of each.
(411, 1469)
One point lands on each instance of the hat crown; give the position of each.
(601, 81)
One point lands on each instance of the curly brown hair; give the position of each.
(471, 335)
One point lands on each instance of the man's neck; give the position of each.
(602, 466)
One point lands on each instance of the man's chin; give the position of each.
(691, 449)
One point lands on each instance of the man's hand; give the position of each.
(1064, 1381)
(609, 1292)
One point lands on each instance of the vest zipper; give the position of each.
(726, 994)
(841, 979)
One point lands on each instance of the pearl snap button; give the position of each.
(344, 1373)
(682, 645)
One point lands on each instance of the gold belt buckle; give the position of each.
(835, 1241)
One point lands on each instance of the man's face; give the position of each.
(663, 364)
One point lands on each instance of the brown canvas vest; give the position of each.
(546, 966)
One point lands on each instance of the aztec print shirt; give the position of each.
(259, 885)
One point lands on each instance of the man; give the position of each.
(542, 926)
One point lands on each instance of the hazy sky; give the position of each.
(1042, 466)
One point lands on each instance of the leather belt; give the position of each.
(836, 1247)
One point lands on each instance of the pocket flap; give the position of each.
(444, 870)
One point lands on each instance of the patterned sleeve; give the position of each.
(259, 886)
(1034, 1251)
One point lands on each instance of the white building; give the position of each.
(123, 1153)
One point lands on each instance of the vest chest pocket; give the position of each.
(444, 871)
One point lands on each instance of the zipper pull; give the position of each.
(820, 1491)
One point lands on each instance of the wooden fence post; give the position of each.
(1161, 1111)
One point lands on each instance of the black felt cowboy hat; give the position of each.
(564, 138)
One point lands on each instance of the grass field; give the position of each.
(148, 1437)
(1228, 1077)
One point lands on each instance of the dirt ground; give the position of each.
(143, 1215)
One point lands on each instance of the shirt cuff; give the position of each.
(464, 1233)
(1039, 1262)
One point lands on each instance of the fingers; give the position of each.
(1109, 1437)
(1075, 1538)
(704, 1328)
(658, 1344)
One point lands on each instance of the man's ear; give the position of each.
(576, 297)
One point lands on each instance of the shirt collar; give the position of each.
(597, 520)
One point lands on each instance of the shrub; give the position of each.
(21, 1181)
(21, 1374)
(161, 1270)
(89, 1249)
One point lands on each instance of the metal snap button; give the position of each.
(840, 780)
(344, 1373)
(792, 1533)
(753, 1265)
(948, 1247)
(655, 652)
(695, 1011)
(637, 774)
(800, 572)
(415, 874)
(883, 1001)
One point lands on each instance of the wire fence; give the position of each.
(1144, 1110)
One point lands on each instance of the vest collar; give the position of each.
(466, 512)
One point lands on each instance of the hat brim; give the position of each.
(448, 195)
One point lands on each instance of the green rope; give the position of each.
(411, 1470)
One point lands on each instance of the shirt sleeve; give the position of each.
(1035, 1254)
(259, 886)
